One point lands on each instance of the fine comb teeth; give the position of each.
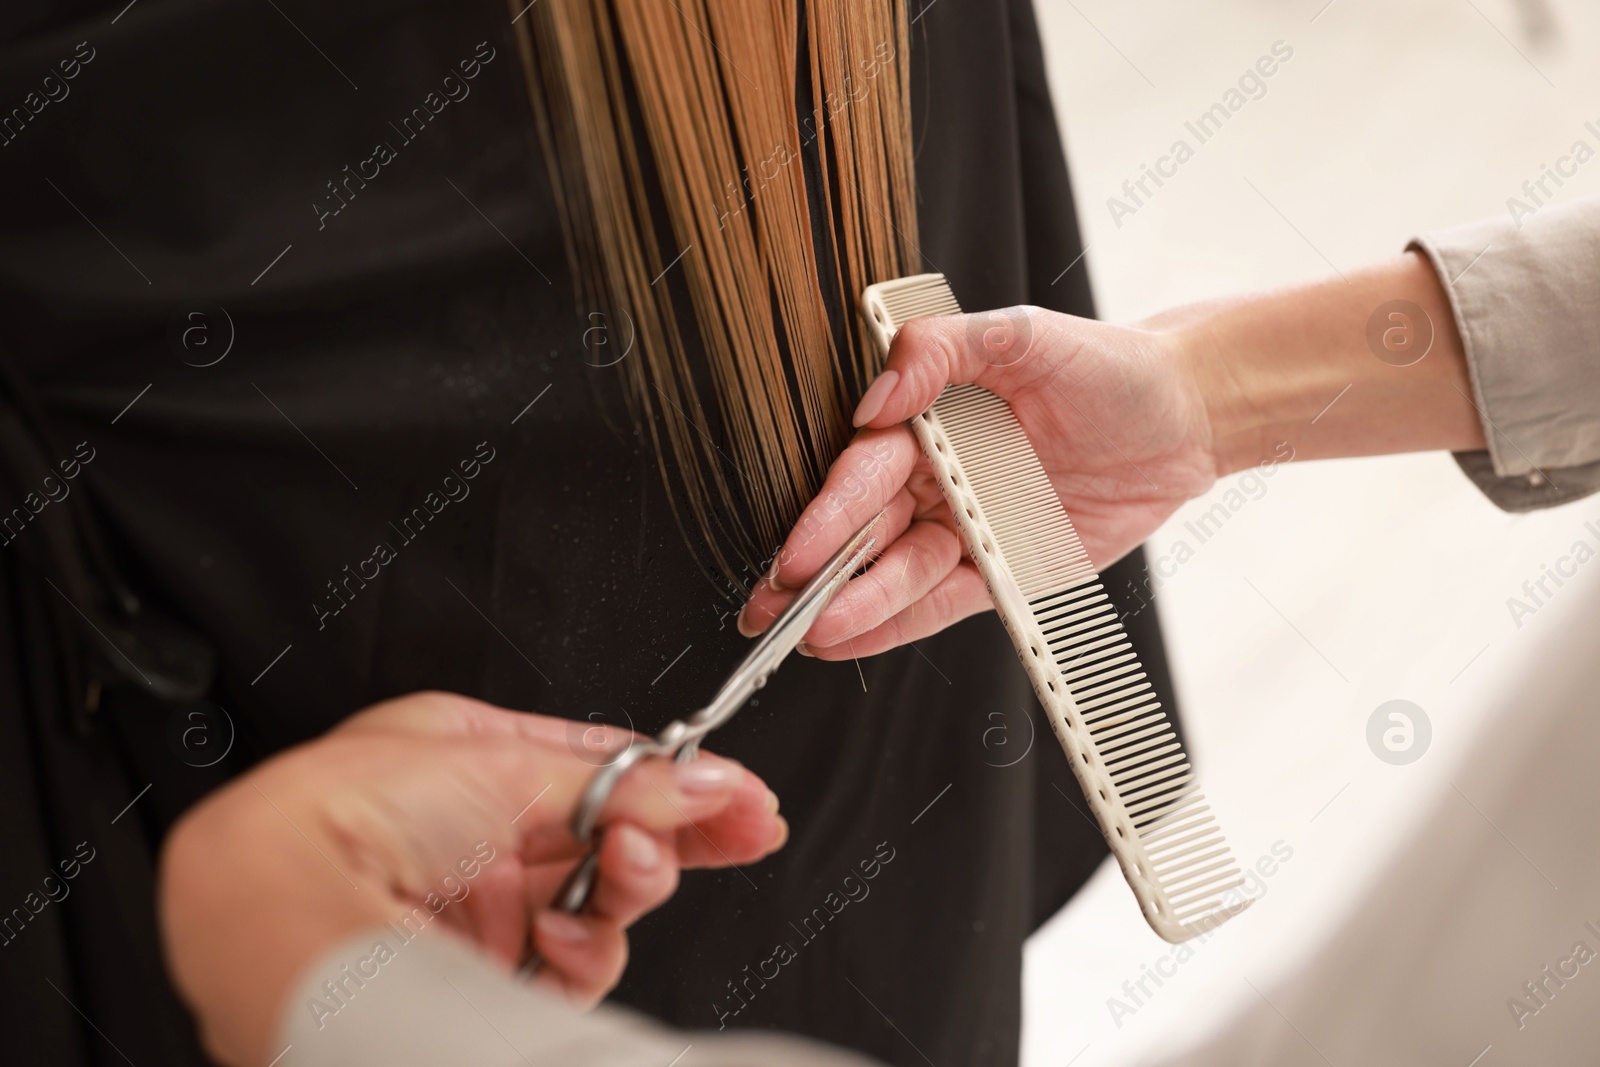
(1121, 744)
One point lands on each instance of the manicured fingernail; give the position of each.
(772, 803)
(745, 629)
(876, 395)
(772, 575)
(639, 849)
(559, 926)
(707, 776)
(805, 650)
(782, 836)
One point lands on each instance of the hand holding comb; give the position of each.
(1121, 744)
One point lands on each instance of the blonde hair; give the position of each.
(680, 158)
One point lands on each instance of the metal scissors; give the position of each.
(680, 740)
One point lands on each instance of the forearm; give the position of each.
(1296, 365)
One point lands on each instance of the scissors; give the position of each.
(680, 740)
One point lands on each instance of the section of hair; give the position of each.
(680, 151)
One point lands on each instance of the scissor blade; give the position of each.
(790, 627)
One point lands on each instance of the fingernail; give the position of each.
(805, 650)
(876, 395)
(639, 849)
(700, 776)
(772, 803)
(744, 628)
(560, 926)
(782, 836)
(772, 575)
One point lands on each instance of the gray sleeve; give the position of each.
(1525, 292)
(381, 999)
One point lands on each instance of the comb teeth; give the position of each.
(1035, 536)
(1121, 743)
(888, 305)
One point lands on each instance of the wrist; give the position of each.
(1363, 365)
(1230, 381)
(235, 887)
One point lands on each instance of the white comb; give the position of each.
(1121, 744)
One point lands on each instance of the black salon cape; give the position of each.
(431, 320)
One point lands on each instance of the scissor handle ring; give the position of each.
(605, 780)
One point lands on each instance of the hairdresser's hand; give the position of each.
(431, 805)
(1130, 422)
(1113, 411)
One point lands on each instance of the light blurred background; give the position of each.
(1418, 898)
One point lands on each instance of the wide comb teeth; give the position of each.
(1122, 745)
(915, 297)
(888, 305)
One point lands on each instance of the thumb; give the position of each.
(989, 348)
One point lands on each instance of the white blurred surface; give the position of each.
(1423, 896)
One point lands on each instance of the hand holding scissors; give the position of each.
(681, 739)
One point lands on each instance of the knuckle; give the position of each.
(930, 354)
(946, 358)
(914, 575)
(880, 600)
(936, 607)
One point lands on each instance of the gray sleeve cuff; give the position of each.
(385, 999)
(1525, 293)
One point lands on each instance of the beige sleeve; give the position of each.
(385, 999)
(1526, 299)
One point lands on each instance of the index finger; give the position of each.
(444, 715)
(861, 483)
(522, 795)
(989, 348)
